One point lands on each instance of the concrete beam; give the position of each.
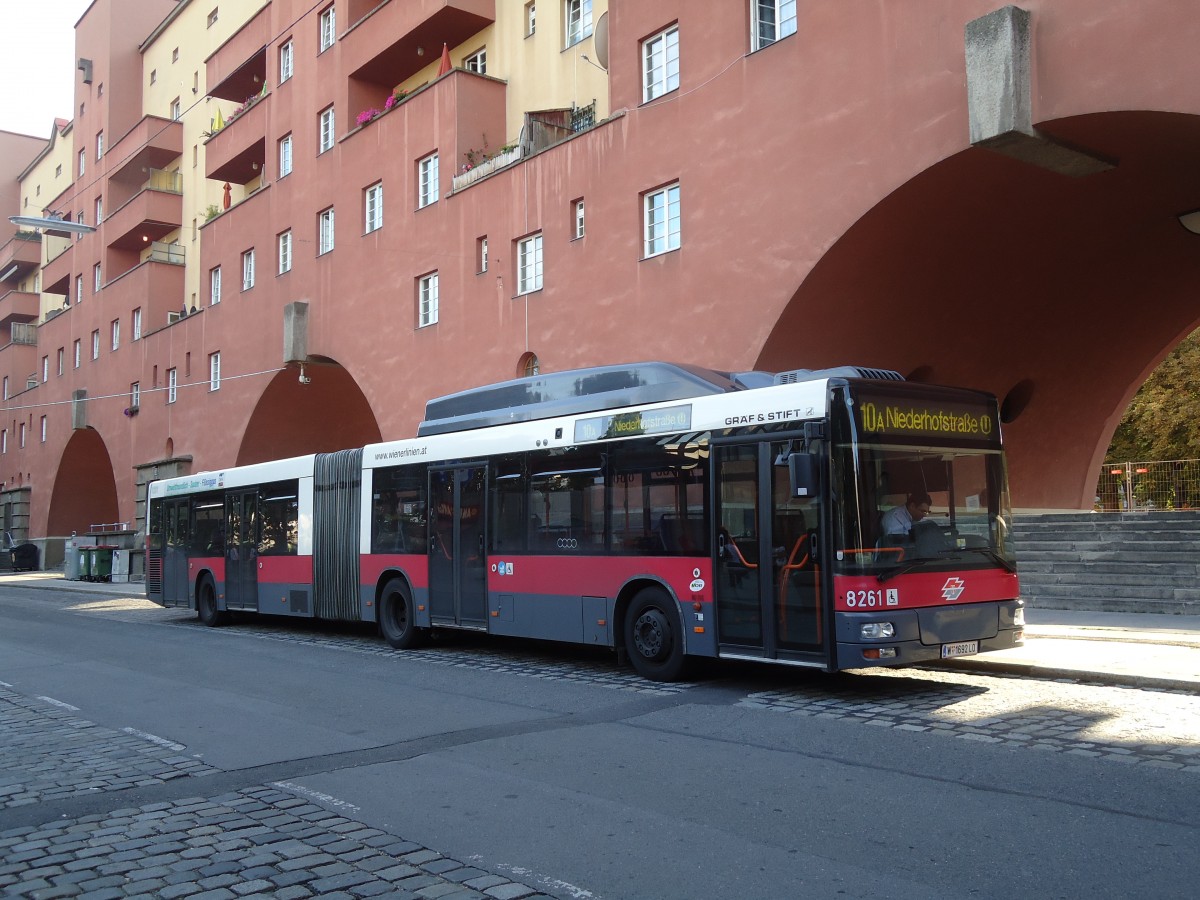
(79, 410)
(999, 97)
(295, 332)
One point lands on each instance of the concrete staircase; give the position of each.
(1110, 562)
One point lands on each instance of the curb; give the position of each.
(1032, 670)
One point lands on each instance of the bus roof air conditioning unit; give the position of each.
(798, 375)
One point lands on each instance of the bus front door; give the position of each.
(457, 562)
(175, 552)
(767, 583)
(241, 550)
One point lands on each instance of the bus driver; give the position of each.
(899, 521)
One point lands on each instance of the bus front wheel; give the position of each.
(206, 605)
(652, 637)
(396, 617)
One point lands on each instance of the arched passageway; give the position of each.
(1059, 295)
(85, 492)
(292, 418)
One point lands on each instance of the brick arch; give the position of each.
(85, 491)
(328, 413)
(1057, 294)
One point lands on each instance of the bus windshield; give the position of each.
(911, 503)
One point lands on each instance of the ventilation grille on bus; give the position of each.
(797, 375)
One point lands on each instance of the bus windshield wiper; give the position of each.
(906, 566)
(991, 554)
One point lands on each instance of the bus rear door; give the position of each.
(457, 560)
(768, 584)
(176, 581)
(241, 550)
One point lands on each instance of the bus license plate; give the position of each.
(963, 648)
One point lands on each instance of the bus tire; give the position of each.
(206, 605)
(396, 616)
(652, 637)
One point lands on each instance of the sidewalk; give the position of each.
(1136, 649)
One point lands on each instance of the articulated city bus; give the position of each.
(667, 512)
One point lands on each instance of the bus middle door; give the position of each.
(767, 577)
(176, 580)
(457, 560)
(241, 550)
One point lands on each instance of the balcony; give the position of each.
(56, 274)
(18, 358)
(389, 34)
(152, 143)
(148, 216)
(18, 306)
(238, 68)
(155, 286)
(20, 255)
(237, 152)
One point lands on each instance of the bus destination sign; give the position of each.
(894, 417)
(619, 425)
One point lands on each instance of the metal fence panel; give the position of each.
(1148, 486)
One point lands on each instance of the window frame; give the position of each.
(95, 344)
(326, 227)
(287, 60)
(578, 229)
(248, 269)
(284, 242)
(650, 238)
(326, 129)
(652, 89)
(172, 384)
(577, 22)
(326, 29)
(477, 62)
(428, 189)
(428, 299)
(781, 21)
(529, 269)
(214, 285)
(115, 334)
(136, 324)
(214, 371)
(285, 155)
(373, 207)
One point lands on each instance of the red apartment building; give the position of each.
(757, 185)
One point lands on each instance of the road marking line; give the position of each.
(154, 739)
(315, 795)
(59, 703)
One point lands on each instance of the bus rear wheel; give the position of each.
(206, 605)
(396, 622)
(652, 637)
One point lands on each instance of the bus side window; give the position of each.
(398, 510)
(511, 527)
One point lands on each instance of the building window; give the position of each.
(99, 145)
(325, 231)
(78, 288)
(137, 324)
(4, 441)
(578, 14)
(175, 55)
(96, 279)
(373, 208)
(45, 369)
(427, 300)
(285, 156)
(43, 429)
(477, 62)
(285, 252)
(135, 395)
(248, 270)
(57, 174)
(530, 19)
(214, 291)
(172, 384)
(153, 78)
(5, 387)
(481, 259)
(773, 20)
(176, 110)
(79, 219)
(577, 219)
(99, 210)
(96, 344)
(326, 131)
(78, 352)
(529, 264)
(427, 181)
(21, 432)
(82, 161)
(212, 17)
(62, 359)
(285, 62)
(328, 28)
(528, 365)
(116, 333)
(660, 64)
(214, 371)
(662, 221)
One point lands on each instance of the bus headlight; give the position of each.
(873, 631)
(1019, 615)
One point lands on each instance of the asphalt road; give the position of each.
(229, 761)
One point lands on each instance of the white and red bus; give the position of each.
(667, 512)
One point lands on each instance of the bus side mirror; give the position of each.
(804, 474)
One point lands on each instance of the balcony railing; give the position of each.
(162, 180)
(24, 333)
(160, 251)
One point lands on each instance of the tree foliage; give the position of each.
(1163, 420)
